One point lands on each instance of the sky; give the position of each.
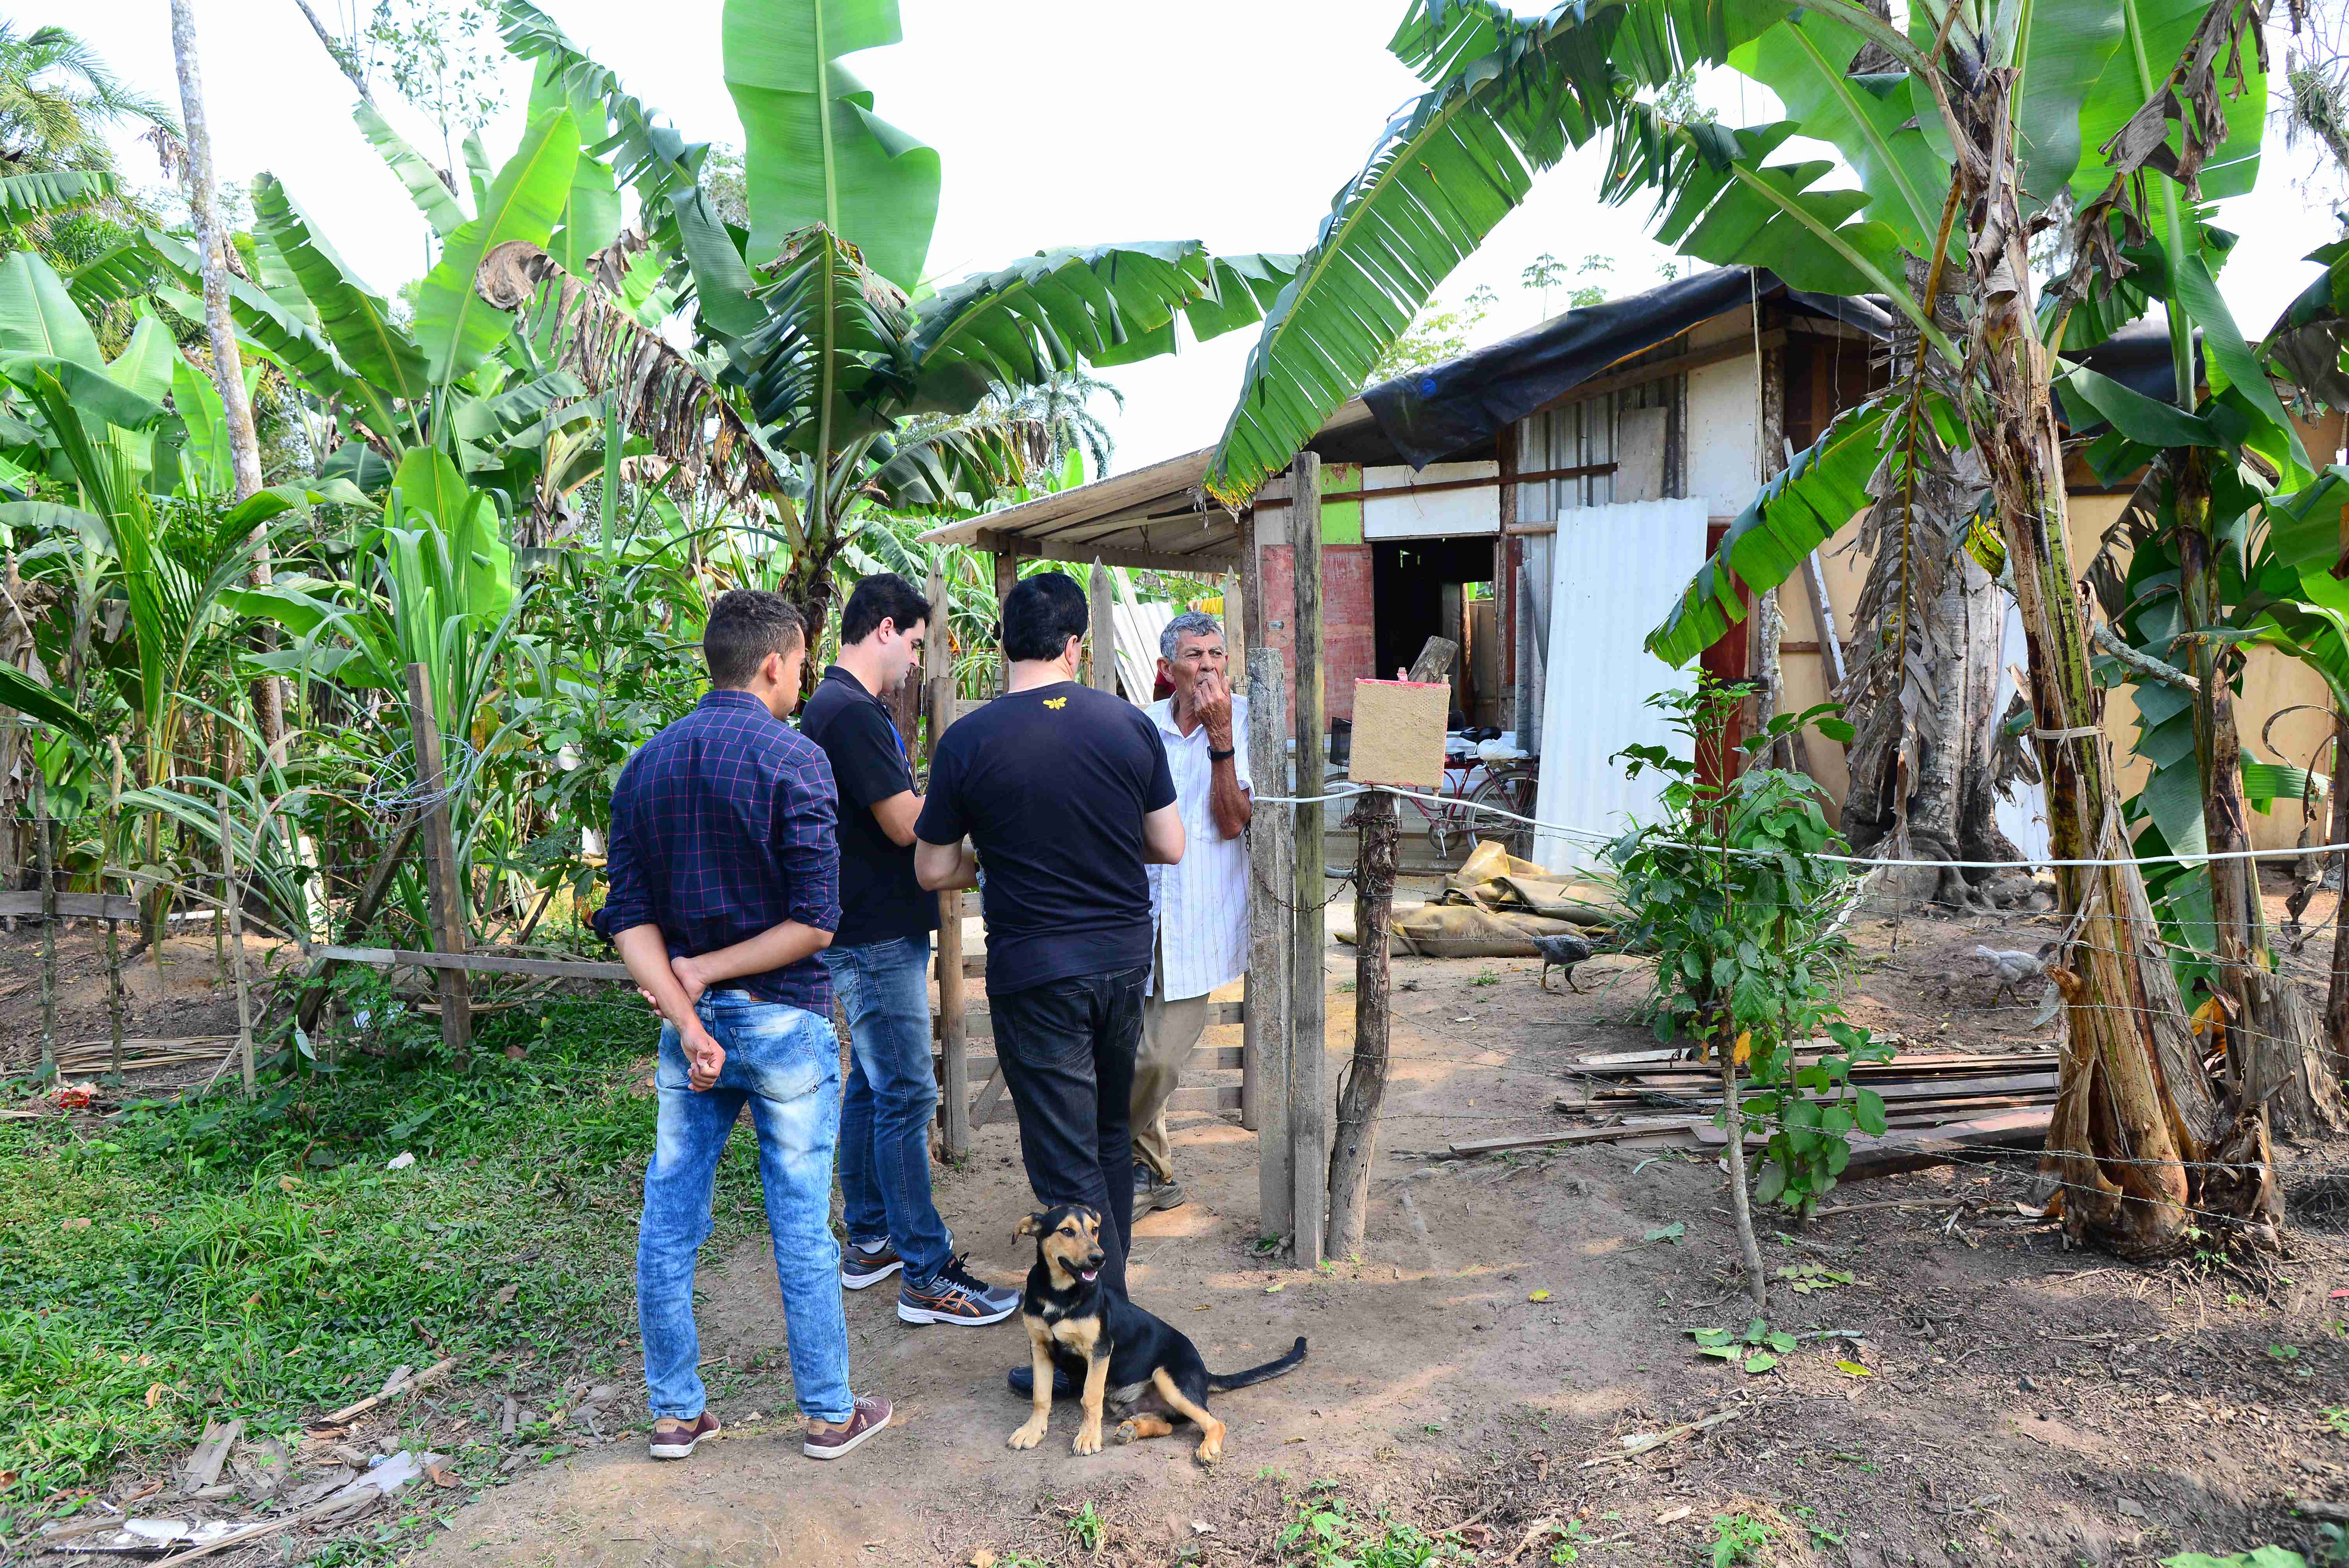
(1059, 122)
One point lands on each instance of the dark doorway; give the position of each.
(1415, 587)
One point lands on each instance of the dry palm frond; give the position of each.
(581, 326)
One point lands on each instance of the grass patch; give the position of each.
(255, 1259)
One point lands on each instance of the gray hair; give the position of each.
(1189, 623)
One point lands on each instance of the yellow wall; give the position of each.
(2272, 684)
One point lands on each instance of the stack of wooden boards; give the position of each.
(1933, 1101)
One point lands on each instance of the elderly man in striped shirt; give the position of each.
(1199, 905)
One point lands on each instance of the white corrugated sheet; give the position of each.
(1610, 567)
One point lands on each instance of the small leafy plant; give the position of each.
(1757, 1348)
(1734, 889)
(1736, 1538)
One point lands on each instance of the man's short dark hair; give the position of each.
(745, 625)
(884, 596)
(1040, 614)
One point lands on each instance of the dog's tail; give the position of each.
(1223, 1382)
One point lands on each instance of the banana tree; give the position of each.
(819, 311)
(2110, 100)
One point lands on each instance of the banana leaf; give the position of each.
(455, 327)
(351, 316)
(814, 150)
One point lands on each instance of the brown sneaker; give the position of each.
(870, 1414)
(674, 1440)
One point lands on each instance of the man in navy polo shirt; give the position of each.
(880, 959)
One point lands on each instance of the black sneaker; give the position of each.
(1023, 1383)
(957, 1295)
(859, 1268)
(1153, 1193)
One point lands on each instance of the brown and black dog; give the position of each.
(1120, 1353)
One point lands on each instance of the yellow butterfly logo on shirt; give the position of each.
(1056, 703)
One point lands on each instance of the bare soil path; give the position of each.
(2021, 1404)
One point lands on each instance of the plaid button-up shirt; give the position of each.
(723, 826)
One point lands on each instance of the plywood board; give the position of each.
(1399, 733)
(1430, 514)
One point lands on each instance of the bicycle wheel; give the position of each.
(1510, 790)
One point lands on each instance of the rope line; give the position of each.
(1462, 803)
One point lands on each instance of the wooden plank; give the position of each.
(476, 963)
(1815, 588)
(1204, 564)
(979, 1025)
(442, 882)
(1488, 481)
(1915, 1149)
(1006, 577)
(1203, 1059)
(1308, 1109)
(71, 905)
(1214, 1100)
(1921, 1089)
(1614, 1134)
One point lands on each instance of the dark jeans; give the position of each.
(1067, 1050)
(891, 1098)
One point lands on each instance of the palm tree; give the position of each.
(58, 100)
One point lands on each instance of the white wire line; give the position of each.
(1462, 803)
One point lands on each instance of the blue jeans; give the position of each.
(891, 1100)
(785, 1063)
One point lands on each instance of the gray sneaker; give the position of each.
(1153, 1191)
(861, 1266)
(957, 1295)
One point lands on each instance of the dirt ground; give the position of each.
(2024, 1404)
(2021, 1404)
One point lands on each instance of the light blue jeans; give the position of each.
(885, 1112)
(785, 1063)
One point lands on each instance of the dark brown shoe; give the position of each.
(872, 1414)
(674, 1440)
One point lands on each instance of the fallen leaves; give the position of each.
(1538, 1296)
(1853, 1369)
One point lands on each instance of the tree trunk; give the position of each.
(2336, 998)
(1354, 1144)
(228, 365)
(2135, 1105)
(1925, 673)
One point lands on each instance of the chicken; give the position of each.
(1564, 949)
(2012, 970)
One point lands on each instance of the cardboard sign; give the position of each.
(1399, 733)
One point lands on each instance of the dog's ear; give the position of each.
(1029, 1226)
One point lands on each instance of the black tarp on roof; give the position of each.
(1453, 408)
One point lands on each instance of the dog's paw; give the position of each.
(1210, 1448)
(1089, 1438)
(1126, 1433)
(1028, 1436)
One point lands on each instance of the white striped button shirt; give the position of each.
(1200, 905)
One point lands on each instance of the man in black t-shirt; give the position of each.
(1066, 794)
(879, 961)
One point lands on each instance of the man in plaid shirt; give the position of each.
(725, 884)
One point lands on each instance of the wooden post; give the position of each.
(1353, 1146)
(234, 901)
(954, 1025)
(1006, 577)
(113, 986)
(1269, 1023)
(1308, 1111)
(1103, 675)
(441, 881)
(45, 856)
(113, 931)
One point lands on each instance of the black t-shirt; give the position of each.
(1051, 784)
(879, 898)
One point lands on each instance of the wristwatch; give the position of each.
(1215, 756)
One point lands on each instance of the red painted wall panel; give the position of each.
(1346, 621)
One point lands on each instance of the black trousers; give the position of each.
(1066, 1049)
